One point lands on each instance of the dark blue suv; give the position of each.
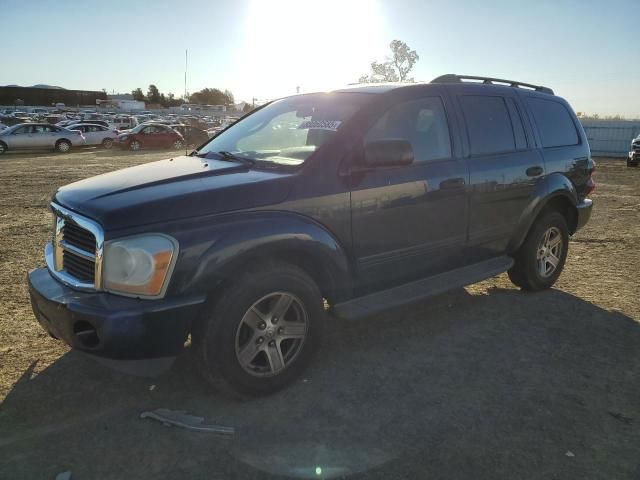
(354, 201)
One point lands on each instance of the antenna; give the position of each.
(186, 64)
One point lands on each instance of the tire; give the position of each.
(107, 143)
(539, 252)
(178, 144)
(63, 146)
(241, 346)
(631, 163)
(134, 145)
(3, 147)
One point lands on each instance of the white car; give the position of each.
(96, 134)
(39, 135)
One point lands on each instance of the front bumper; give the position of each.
(111, 326)
(584, 212)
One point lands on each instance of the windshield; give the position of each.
(290, 130)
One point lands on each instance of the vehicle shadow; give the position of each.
(497, 385)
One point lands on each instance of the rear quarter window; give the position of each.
(554, 123)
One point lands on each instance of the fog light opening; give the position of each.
(85, 333)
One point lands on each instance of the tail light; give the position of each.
(590, 186)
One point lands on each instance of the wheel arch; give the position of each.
(556, 192)
(260, 238)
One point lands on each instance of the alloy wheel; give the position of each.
(549, 252)
(271, 334)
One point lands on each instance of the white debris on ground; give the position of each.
(180, 418)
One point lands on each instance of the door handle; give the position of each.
(534, 171)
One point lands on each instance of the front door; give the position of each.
(21, 137)
(410, 221)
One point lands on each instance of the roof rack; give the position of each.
(453, 78)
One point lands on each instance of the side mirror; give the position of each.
(388, 153)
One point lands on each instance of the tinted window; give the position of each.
(488, 124)
(21, 130)
(554, 123)
(422, 122)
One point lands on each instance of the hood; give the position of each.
(173, 189)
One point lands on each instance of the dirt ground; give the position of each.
(484, 382)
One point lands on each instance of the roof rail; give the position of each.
(453, 78)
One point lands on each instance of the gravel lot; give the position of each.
(484, 382)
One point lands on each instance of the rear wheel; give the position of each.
(540, 259)
(261, 332)
(63, 146)
(178, 144)
(107, 143)
(134, 145)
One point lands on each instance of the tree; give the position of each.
(230, 100)
(153, 94)
(247, 108)
(212, 96)
(138, 95)
(393, 69)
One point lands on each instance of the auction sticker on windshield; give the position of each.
(320, 125)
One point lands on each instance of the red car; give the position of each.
(153, 135)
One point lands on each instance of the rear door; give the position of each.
(410, 221)
(504, 166)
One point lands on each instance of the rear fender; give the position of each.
(552, 188)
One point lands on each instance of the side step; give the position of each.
(421, 289)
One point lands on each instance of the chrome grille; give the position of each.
(75, 254)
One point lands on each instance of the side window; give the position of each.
(488, 124)
(148, 130)
(422, 123)
(21, 130)
(554, 123)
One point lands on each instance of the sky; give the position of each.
(587, 51)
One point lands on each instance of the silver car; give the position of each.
(39, 135)
(96, 134)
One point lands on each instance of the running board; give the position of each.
(421, 289)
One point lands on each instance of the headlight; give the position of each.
(139, 266)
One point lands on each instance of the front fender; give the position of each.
(549, 187)
(212, 254)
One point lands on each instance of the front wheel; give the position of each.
(107, 143)
(178, 144)
(540, 259)
(134, 145)
(261, 332)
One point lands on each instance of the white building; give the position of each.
(123, 105)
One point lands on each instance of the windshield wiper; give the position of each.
(228, 156)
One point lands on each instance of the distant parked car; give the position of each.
(39, 135)
(66, 123)
(153, 135)
(192, 136)
(634, 155)
(96, 134)
(123, 123)
(3, 126)
(211, 132)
